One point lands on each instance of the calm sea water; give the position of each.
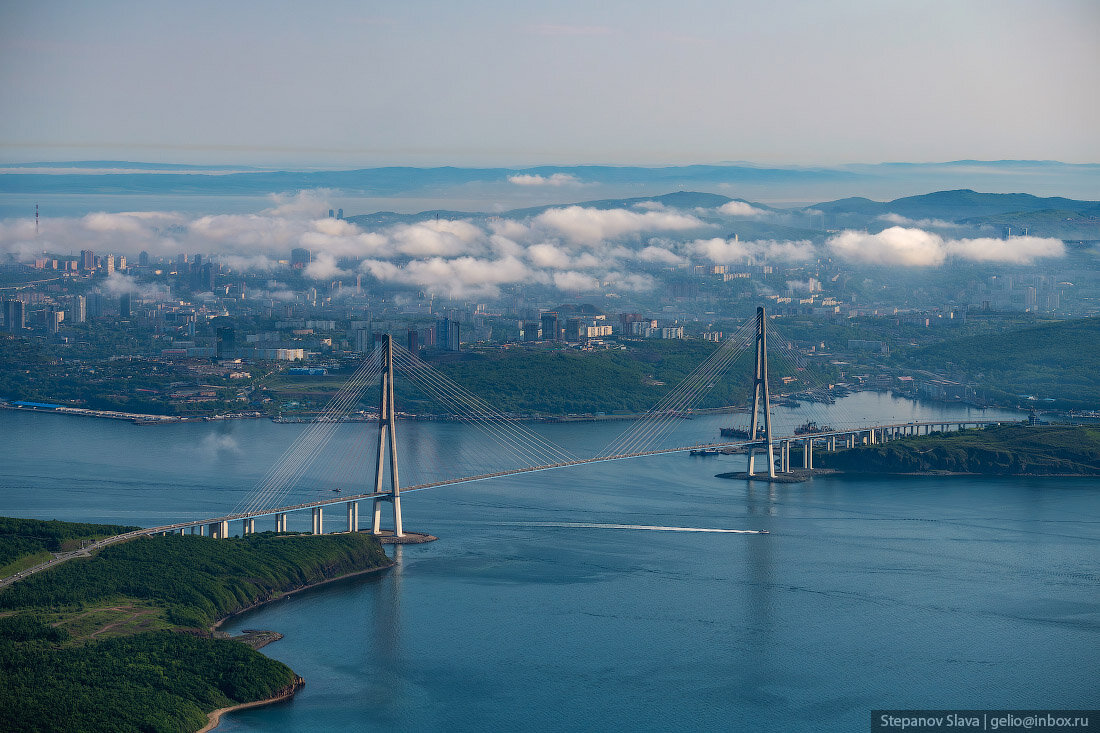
(869, 593)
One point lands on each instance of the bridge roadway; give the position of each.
(912, 428)
(871, 430)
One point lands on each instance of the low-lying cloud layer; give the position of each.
(917, 247)
(534, 179)
(573, 248)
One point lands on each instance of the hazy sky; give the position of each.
(337, 83)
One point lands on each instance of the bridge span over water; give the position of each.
(831, 440)
(272, 497)
(641, 439)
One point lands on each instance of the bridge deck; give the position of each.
(344, 498)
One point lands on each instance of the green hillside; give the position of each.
(1006, 450)
(1057, 362)
(121, 641)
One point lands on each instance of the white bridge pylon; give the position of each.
(387, 419)
(761, 397)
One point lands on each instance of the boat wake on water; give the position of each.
(593, 525)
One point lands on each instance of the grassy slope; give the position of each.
(1003, 450)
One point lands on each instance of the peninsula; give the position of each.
(1004, 450)
(125, 639)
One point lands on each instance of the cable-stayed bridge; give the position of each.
(491, 444)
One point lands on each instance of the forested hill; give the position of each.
(1059, 362)
(1006, 450)
(121, 641)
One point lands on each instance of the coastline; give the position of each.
(214, 718)
(285, 594)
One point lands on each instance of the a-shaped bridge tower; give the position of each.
(387, 419)
(761, 397)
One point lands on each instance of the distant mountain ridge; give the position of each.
(953, 205)
(395, 180)
(684, 200)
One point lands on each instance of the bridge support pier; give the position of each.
(808, 453)
(353, 516)
(318, 520)
(220, 530)
(280, 522)
(248, 526)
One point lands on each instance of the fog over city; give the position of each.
(574, 248)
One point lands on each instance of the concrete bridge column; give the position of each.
(280, 522)
(182, 530)
(750, 466)
(248, 526)
(785, 456)
(318, 520)
(810, 453)
(219, 530)
(353, 516)
(202, 530)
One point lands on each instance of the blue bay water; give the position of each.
(926, 592)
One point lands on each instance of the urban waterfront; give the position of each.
(904, 592)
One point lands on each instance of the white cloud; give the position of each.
(635, 282)
(1015, 250)
(323, 267)
(118, 283)
(509, 228)
(255, 263)
(575, 281)
(548, 255)
(136, 222)
(589, 226)
(444, 237)
(728, 251)
(893, 246)
(660, 255)
(456, 278)
(245, 232)
(905, 221)
(555, 179)
(916, 247)
(801, 250)
(307, 204)
(740, 208)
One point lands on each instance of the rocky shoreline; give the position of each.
(214, 718)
